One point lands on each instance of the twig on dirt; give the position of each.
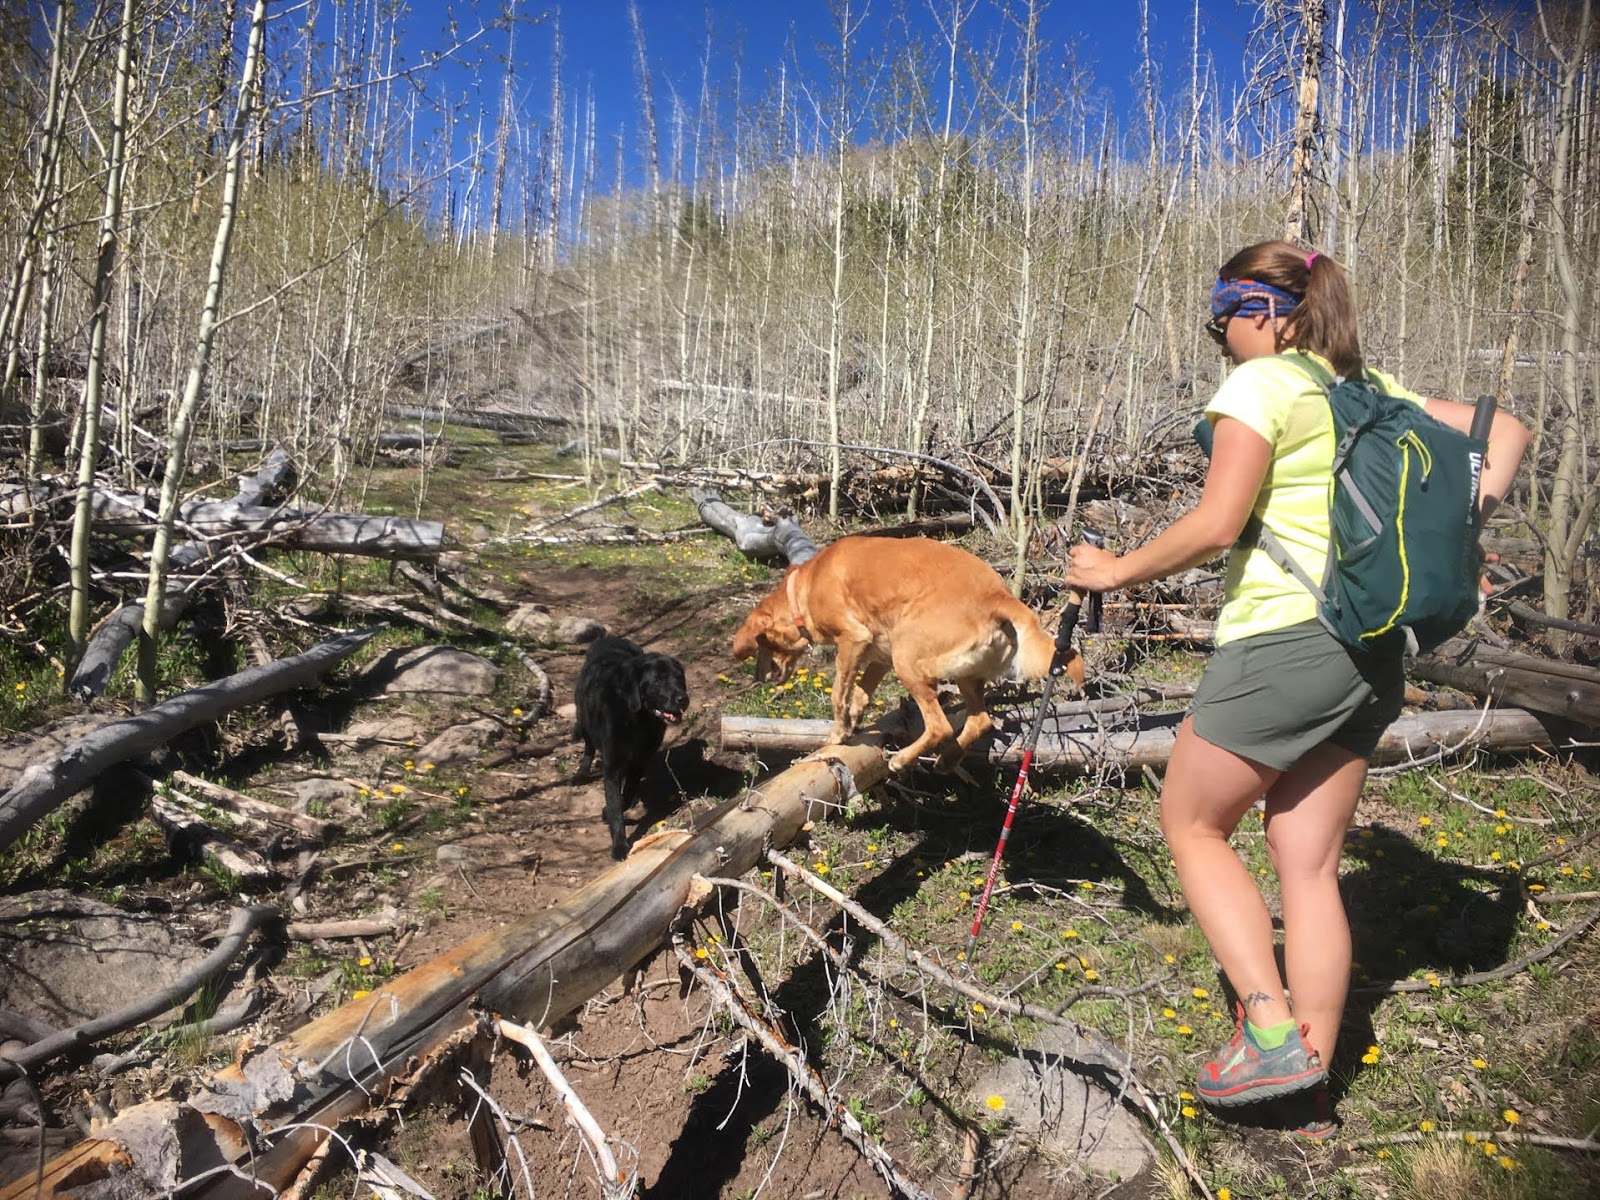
(1506, 1137)
(358, 927)
(1112, 1058)
(1504, 971)
(801, 1071)
(243, 922)
(489, 1102)
(1566, 897)
(1485, 809)
(613, 1182)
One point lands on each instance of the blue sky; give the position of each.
(760, 35)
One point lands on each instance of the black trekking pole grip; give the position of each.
(1483, 417)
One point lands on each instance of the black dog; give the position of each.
(626, 699)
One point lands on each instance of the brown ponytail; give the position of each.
(1324, 322)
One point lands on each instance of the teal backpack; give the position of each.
(1403, 568)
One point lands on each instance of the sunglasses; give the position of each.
(1217, 327)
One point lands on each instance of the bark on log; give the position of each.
(1561, 689)
(44, 785)
(312, 830)
(755, 536)
(188, 828)
(1073, 744)
(270, 1112)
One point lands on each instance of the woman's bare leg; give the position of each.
(1308, 811)
(1206, 792)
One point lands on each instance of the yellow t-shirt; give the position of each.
(1279, 399)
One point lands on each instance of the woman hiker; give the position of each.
(1284, 710)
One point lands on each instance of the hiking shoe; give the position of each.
(1245, 1072)
(1312, 1116)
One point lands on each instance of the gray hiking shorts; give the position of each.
(1272, 697)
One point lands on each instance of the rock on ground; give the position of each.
(1064, 1109)
(59, 952)
(460, 743)
(441, 669)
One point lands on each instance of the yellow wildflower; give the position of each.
(362, 994)
(1091, 974)
(1479, 1063)
(1507, 1162)
(1016, 927)
(1511, 1116)
(996, 1102)
(1200, 993)
(364, 961)
(1169, 1013)
(1184, 1029)
(1189, 1112)
(1425, 1125)
(1424, 821)
(977, 1007)
(1069, 934)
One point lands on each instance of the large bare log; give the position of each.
(44, 785)
(1076, 743)
(189, 830)
(329, 533)
(1561, 689)
(756, 537)
(272, 1110)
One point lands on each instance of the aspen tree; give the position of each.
(115, 170)
(178, 436)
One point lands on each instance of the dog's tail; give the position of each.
(1036, 648)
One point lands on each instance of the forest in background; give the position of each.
(240, 224)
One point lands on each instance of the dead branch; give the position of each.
(802, 1072)
(612, 1181)
(356, 927)
(240, 926)
(187, 828)
(1504, 971)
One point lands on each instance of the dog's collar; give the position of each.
(794, 608)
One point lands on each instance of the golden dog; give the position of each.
(926, 609)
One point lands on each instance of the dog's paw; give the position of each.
(901, 762)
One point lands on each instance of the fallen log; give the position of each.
(188, 829)
(312, 830)
(1076, 743)
(296, 529)
(44, 785)
(271, 485)
(756, 536)
(1561, 689)
(271, 1111)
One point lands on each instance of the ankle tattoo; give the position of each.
(1255, 998)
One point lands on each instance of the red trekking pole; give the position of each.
(1058, 664)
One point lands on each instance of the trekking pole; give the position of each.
(1058, 664)
(1482, 423)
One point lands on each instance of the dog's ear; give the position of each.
(633, 688)
(747, 641)
(1075, 669)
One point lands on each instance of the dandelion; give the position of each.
(1371, 1056)
(893, 1023)
(820, 868)
(364, 961)
(1489, 1149)
(966, 895)
(397, 847)
(1425, 1125)
(1470, 1139)
(1200, 993)
(977, 1007)
(1494, 855)
(1424, 821)
(516, 712)
(1087, 885)
(1069, 934)
(1091, 974)
(1500, 814)
(1479, 1063)
(461, 791)
(996, 1102)
(1511, 1116)
(1169, 959)
(700, 952)
(1441, 841)
(1385, 1153)
(1016, 927)
(1061, 966)
(360, 995)
(1224, 1194)
(1185, 1095)
(408, 765)
(427, 766)
(1169, 1013)
(21, 687)
(872, 847)
(1184, 1029)
(1189, 1112)
(1506, 1162)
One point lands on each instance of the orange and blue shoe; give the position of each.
(1246, 1072)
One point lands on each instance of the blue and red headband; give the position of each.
(1232, 297)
